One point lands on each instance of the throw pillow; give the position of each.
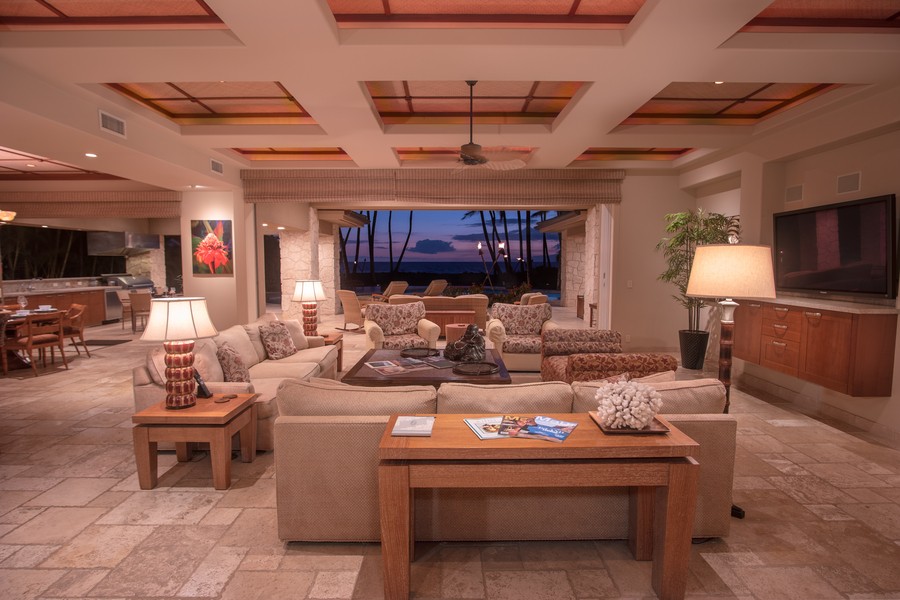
(233, 365)
(296, 328)
(276, 338)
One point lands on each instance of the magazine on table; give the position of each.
(397, 366)
(486, 428)
(438, 362)
(539, 428)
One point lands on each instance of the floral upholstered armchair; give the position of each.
(398, 326)
(592, 354)
(515, 331)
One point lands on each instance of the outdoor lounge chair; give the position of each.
(394, 287)
(435, 288)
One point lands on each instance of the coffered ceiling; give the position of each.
(374, 84)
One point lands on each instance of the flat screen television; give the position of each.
(842, 249)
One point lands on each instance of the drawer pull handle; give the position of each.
(779, 344)
(780, 326)
(754, 305)
(781, 309)
(813, 315)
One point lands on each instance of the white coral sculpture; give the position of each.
(627, 404)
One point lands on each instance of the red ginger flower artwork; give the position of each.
(212, 250)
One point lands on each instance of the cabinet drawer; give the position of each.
(783, 314)
(782, 329)
(781, 355)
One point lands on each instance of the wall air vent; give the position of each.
(848, 183)
(112, 124)
(216, 166)
(793, 193)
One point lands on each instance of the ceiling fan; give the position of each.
(471, 154)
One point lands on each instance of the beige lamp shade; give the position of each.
(732, 271)
(178, 319)
(309, 290)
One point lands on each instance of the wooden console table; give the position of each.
(206, 421)
(658, 469)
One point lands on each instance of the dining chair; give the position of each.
(126, 305)
(140, 308)
(38, 332)
(73, 327)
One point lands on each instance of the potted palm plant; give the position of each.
(687, 230)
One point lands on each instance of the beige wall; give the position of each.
(645, 312)
(231, 300)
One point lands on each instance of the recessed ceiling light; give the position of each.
(90, 155)
(44, 226)
(30, 165)
(718, 82)
(265, 224)
(280, 228)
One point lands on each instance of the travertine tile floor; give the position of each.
(823, 514)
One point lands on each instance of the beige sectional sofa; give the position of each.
(475, 302)
(326, 441)
(313, 359)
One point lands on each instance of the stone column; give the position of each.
(573, 266)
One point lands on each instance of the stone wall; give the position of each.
(150, 264)
(573, 267)
(307, 255)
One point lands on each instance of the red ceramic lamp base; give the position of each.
(310, 318)
(180, 385)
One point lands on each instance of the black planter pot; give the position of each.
(693, 348)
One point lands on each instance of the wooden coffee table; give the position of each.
(658, 470)
(206, 421)
(360, 374)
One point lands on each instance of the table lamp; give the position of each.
(731, 271)
(308, 292)
(178, 323)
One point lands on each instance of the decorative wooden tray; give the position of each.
(655, 426)
(419, 352)
(476, 368)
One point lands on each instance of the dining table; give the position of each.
(9, 321)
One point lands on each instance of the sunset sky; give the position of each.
(443, 236)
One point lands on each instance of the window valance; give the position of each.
(133, 205)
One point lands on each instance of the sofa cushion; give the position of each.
(206, 361)
(277, 340)
(656, 377)
(326, 397)
(252, 330)
(232, 364)
(406, 340)
(522, 320)
(461, 398)
(295, 327)
(692, 396)
(396, 319)
(563, 341)
(237, 338)
(522, 344)
(284, 370)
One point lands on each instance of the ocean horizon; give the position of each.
(433, 267)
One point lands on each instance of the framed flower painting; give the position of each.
(212, 248)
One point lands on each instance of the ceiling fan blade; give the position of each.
(504, 165)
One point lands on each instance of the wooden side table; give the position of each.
(206, 421)
(337, 340)
(454, 331)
